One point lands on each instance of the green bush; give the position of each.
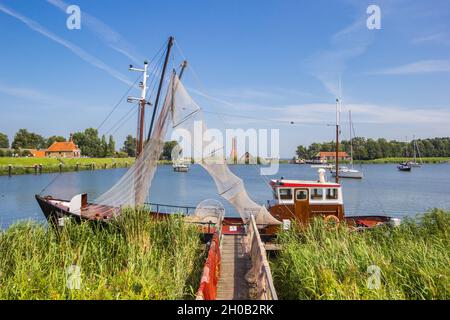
(324, 263)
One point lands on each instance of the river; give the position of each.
(384, 189)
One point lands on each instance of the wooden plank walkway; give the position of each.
(235, 264)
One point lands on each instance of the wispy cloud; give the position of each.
(104, 32)
(347, 44)
(419, 67)
(367, 113)
(33, 95)
(33, 25)
(437, 38)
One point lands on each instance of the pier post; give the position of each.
(9, 170)
(76, 166)
(40, 168)
(60, 167)
(35, 169)
(104, 166)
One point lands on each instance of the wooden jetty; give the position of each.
(237, 266)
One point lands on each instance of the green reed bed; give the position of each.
(334, 263)
(134, 257)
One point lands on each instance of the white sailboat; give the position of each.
(346, 172)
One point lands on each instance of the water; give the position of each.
(384, 190)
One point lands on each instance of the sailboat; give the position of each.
(414, 163)
(405, 166)
(346, 172)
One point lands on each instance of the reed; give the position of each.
(334, 263)
(134, 257)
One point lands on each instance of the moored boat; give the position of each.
(303, 200)
(405, 166)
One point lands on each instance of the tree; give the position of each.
(28, 140)
(129, 146)
(111, 147)
(88, 142)
(167, 150)
(103, 148)
(4, 141)
(302, 152)
(52, 139)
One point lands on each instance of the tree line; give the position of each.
(370, 149)
(89, 142)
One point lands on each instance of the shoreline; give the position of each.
(20, 166)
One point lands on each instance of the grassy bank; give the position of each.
(326, 263)
(399, 160)
(133, 258)
(26, 165)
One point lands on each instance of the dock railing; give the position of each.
(260, 265)
(211, 270)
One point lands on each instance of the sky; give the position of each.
(252, 64)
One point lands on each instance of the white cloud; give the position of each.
(72, 47)
(419, 67)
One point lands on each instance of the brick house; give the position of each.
(331, 156)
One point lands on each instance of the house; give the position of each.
(38, 153)
(331, 156)
(66, 149)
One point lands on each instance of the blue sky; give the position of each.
(278, 60)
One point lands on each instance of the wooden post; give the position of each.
(104, 166)
(76, 167)
(60, 167)
(40, 168)
(9, 170)
(35, 169)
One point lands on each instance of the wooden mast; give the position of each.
(183, 66)
(161, 81)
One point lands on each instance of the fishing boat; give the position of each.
(294, 199)
(303, 200)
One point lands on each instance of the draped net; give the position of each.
(185, 115)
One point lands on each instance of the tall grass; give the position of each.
(135, 257)
(325, 263)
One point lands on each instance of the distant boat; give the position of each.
(322, 166)
(406, 166)
(180, 167)
(345, 172)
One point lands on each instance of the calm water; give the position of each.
(384, 190)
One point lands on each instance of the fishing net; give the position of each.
(186, 117)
